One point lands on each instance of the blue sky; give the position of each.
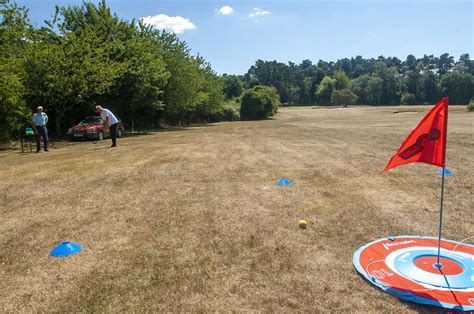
(286, 30)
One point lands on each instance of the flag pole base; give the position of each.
(445, 171)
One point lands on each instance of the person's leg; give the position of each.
(45, 138)
(113, 134)
(38, 137)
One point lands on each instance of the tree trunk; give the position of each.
(57, 123)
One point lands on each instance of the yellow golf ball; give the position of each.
(303, 224)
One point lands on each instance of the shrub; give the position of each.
(230, 114)
(407, 99)
(470, 106)
(344, 97)
(260, 102)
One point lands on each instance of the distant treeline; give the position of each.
(86, 56)
(381, 81)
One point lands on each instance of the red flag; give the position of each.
(427, 142)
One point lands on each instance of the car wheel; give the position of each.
(100, 136)
(119, 133)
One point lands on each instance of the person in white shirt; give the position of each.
(40, 119)
(111, 121)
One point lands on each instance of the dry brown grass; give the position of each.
(192, 220)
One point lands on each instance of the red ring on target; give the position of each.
(428, 263)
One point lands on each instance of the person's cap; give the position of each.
(39, 108)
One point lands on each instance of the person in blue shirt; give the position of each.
(40, 119)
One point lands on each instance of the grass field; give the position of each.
(192, 220)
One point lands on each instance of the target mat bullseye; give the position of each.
(407, 266)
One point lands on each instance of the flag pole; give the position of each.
(438, 264)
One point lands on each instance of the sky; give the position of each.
(232, 35)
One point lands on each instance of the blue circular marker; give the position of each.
(66, 249)
(284, 181)
(446, 171)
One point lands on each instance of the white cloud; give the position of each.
(258, 14)
(225, 10)
(176, 24)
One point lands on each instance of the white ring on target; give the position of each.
(390, 262)
(379, 280)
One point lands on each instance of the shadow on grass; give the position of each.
(11, 148)
(55, 143)
(168, 129)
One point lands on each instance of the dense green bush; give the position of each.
(407, 99)
(230, 114)
(470, 106)
(260, 102)
(343, 97)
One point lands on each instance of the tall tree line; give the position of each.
(86, 56)
(381, 81)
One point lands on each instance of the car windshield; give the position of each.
(90, 121)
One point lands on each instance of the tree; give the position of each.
(359, 87)
(15, 33)
(138, 94)
(343, 97)
(416, 76)
(390, 84)
(465, 64)
(342, 80)
(409, 63)
(459, 87)
(324, 90)
(410, 82)
(374, 90)
(307, 88)
(74, 68)
(233, 86)
(445, 63)
(428, 87)
(86, 56)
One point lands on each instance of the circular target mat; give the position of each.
(407, 266)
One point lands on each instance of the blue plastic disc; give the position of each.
(284, 181)
(446, 171)
(66, 249)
